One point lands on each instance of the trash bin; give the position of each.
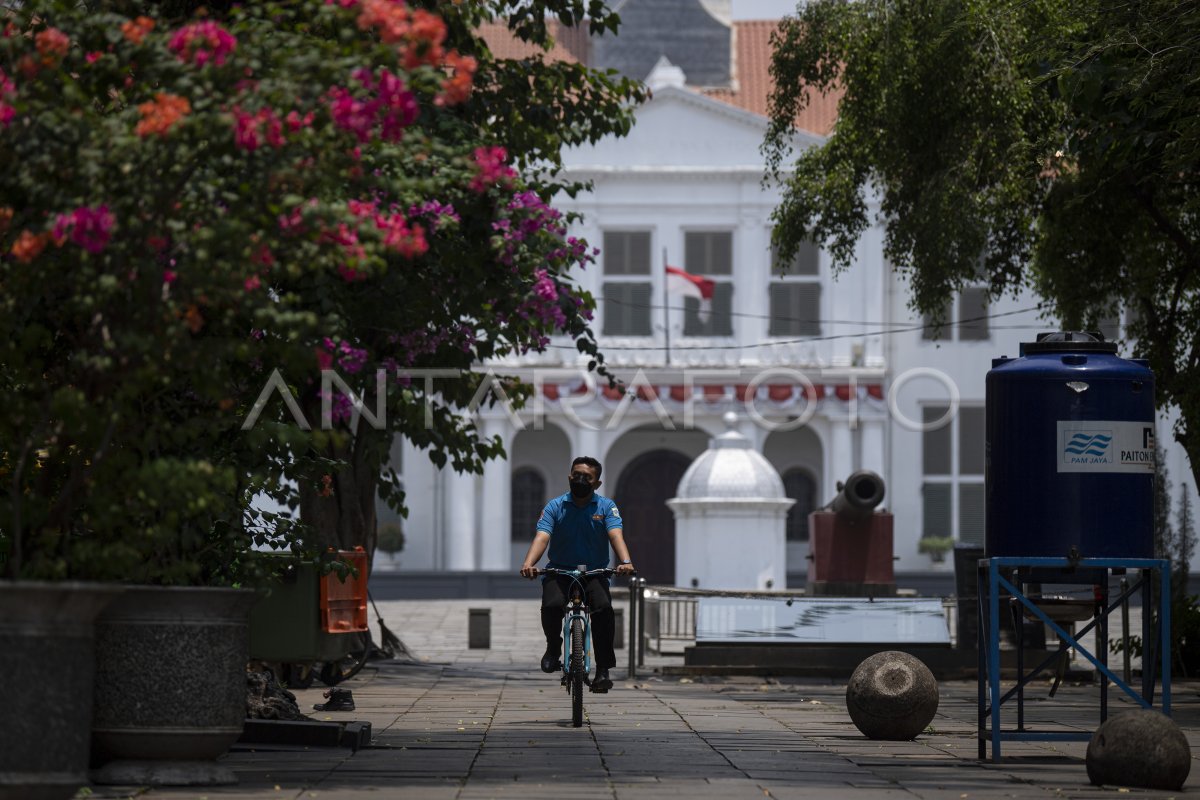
(309, 617)
(479, 629)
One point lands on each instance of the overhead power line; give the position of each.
(807, 339)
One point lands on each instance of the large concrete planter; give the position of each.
(170, 685)
(46, 646)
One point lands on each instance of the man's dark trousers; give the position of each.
(556, 590)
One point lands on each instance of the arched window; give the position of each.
(799, 486)
(528, 500)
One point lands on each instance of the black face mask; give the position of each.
(580, 489)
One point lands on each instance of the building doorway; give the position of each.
(642, 493)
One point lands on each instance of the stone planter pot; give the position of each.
(46, 658)
(170, 685)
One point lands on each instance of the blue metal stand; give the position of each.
(994, 579)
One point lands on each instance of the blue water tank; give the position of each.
(1070, 451)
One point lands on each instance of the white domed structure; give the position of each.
(730, 518)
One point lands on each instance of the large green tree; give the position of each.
(1052, 145)
(196, 203)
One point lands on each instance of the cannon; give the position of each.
(850, 542)
(857, 497)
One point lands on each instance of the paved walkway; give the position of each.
(461, 724)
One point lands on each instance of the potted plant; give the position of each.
(935, 547)
(391, 539)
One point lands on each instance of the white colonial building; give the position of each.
(827, 374)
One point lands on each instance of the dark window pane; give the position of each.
(935, 444)
(626, 252)
(970, 513)
(799, 485)
(626, 308)
(935, 500)
(970, 441)
(720, 320)
(806, 262)
(946, 332)
(1110, 328)
(972, 314)
(708, 252)
(528, 498)
(795, 309)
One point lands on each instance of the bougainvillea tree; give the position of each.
(197, 206)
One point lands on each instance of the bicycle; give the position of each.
(577, 636)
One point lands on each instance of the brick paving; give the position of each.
(462, 724)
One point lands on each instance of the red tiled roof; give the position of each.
(503, 44)
(752, 74)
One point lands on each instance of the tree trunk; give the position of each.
(342, 512)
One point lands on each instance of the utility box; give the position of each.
(307, 616)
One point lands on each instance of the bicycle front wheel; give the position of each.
(577, 668)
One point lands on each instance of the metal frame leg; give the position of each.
(981, 656)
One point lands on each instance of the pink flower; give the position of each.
(491, 168)
(390, 106)
(93, 57)
(170, 276)
(201, 42)
(8, 90)
(544, 287)
(252, 283)
(324, 359)
(352, 359)
(249, 130)
(295, 122)
(350, 114)
(90, 228)
(408, 241)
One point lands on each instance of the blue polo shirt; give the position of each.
(579, 535)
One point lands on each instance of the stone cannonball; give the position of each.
(1142, 748)
(892, 695)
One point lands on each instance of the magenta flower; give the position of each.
(90, 228)
(544, 287)
(201, 42)
(351, 359)
(390, 107)
(491, 168)
(8, 90)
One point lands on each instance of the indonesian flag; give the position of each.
(689, 285)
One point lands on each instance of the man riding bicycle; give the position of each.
(578, 527)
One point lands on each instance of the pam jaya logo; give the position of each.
(1088, 444)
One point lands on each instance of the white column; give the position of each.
(872, 445)
(841, 451)
(586, 442)
(459, 504)
(495, 522)
(751, 269)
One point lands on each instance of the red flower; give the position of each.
(135, 30)
(53, 45)
(29, 246)
(202, 42)
(159, 116)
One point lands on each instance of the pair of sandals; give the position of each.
(599, 684)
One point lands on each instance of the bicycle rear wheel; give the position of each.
(577, 668)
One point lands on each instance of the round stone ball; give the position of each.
(892, 696)
(1142, 748)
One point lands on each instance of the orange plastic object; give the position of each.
(344, 603)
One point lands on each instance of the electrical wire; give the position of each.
(805, 340)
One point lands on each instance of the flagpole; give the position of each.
(666, 312)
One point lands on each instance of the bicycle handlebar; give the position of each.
(577, 573)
